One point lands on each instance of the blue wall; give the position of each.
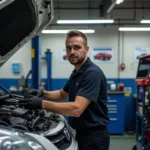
(129, 100)
(59, 83)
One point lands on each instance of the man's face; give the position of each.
(75, 49)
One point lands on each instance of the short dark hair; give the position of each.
(73, 33)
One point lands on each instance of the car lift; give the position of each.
(143, 103)
(36, 65)
(48, 56)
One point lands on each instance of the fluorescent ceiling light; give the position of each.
(65, 31)
(119, 1)
(83, 21)
(134, 29)
(145, 21)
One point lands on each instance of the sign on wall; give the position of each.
(103, 55)
(16, 67)
(140, 51)
(63, 55)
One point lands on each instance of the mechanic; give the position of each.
(87, 93)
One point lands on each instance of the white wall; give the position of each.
(132, 40)
(54, 43)
(104, 37)
(24, 57)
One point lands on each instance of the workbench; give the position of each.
(115, 106)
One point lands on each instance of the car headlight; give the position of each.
(15, 140)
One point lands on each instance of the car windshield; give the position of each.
(144, 68)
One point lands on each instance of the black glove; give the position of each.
(31, 103)
(33, 92)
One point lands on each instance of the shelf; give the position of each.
(115, 92)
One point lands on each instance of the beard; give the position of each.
(74, 60)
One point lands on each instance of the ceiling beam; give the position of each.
(94, 8)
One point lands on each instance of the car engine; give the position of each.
(41, 122)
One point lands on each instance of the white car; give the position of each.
(22, 129)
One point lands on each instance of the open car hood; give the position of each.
(21, 20)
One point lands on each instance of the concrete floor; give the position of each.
(121, 142)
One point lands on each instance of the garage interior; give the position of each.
(123, 34)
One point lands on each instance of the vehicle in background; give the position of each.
(141, 55)
(103, 56)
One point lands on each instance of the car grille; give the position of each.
(62, 139)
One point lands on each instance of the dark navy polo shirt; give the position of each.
(89, 82)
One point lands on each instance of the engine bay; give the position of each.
(39, 121)
(12, 115)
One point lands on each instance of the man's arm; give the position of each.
(58, 95)
(75, 108)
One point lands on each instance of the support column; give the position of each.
(36, 62)
(49, 69)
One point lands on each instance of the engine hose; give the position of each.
(4, 96)
(26, 79)
(3, 123)
(19, 97)
(20, 127)
(6, 91)
(11, 101)
(5, 113)
(35, 121)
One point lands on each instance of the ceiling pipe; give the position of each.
(97, 8)
(111, 7)
(132, 8)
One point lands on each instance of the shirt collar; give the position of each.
(83, 67)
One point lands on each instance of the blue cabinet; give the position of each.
(115, 106)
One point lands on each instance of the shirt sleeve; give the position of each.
(90, 85)
(66, 87)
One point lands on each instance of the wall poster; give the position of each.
(140, 51)
(103, 55)
(63, 55)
